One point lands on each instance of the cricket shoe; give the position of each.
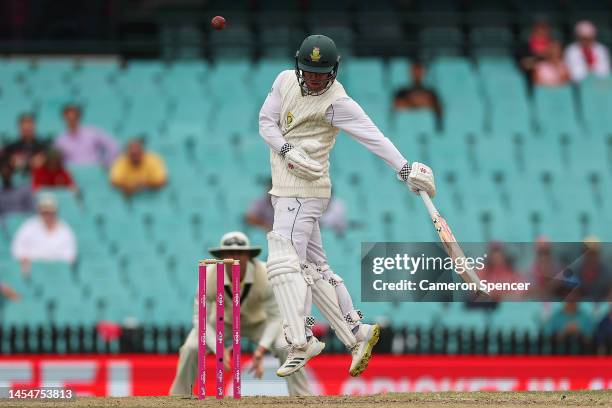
(367, 336)
(298, 357)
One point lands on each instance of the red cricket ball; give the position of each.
(218, 23)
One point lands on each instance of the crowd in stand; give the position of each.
(542, 59)
(30, 163)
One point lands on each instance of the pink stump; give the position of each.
(201, 381)
(220, 328)
(236, 328)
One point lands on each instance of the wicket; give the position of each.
(220, 326)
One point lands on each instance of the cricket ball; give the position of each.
(218, 23)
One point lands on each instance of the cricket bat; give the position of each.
(451, 246)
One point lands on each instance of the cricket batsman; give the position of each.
(260, 321)
(299, 120)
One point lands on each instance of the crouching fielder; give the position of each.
(260, 321)
(300, 120)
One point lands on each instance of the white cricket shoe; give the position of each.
(298, 357)
(367, 336)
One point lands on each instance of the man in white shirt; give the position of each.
(44, 237)
(586, 56)
(300, 119)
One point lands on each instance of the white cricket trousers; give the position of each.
(297, 219)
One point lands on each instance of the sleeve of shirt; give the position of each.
(211, 341)
(117, 171)
(347, 115)
(108, 143)
(604, 65)
(574, 63)
(158, 169)
(19, 247)
(273, 322)
(269, 118)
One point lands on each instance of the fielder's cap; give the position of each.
(585, 29)
(47, 203)
(234, 241)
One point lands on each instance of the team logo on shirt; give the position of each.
(289, 118)
(315, 55)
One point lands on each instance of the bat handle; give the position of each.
(428, 203)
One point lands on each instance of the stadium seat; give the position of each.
(554, 110)
(137, 257)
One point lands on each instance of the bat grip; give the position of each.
(428, 203)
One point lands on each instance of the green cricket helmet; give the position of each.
(318, 54)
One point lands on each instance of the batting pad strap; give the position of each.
(311, 273)
(335, 280)
(353, 317)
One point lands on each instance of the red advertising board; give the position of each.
(122, 375)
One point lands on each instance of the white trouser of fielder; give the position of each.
(297, 219)
(187, 369)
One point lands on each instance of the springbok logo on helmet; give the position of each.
(315, 55)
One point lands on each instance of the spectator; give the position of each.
(260, 212)
(418, 96)
(28, 151)
(537, 46)
(551, 70)
(603, 331)
(52, 173)
(498, 269)
(138, 170)
(14, 199)
(44, 237)
(593, 276)
(84, 145)
(586, 56)
(569, 320)
(544, 270)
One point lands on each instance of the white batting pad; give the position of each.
(288, 285)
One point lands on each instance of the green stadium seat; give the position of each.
(596, 98)
(554, 110)
(26, 313)
(522, 316)
(138, 258)
(398, 75)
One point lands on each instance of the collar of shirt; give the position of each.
(249, 276)
(77, 132)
